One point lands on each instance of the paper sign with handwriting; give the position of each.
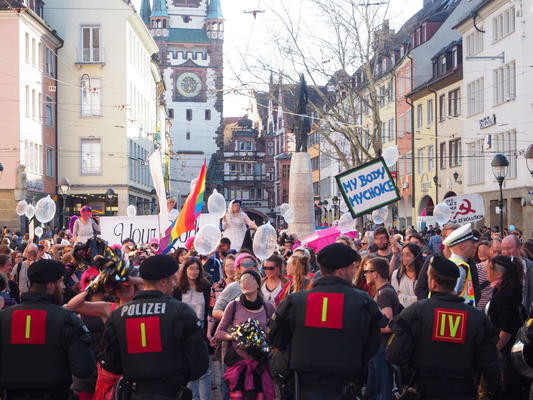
(367, 187)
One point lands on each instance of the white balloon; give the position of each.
(265, 241)
(216, 204)
(38, 231)
(283, 209)
(380, 215)
(442, 213)
(289, 216)
(131, 211)
(30, 212)
(346, 223)
(193, 184)
(45, 209)
(207, 239)
(390, 155)
(21, 208)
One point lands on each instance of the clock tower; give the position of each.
(190, 36)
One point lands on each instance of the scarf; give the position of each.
(251, 305)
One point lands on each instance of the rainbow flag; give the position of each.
(189, 213)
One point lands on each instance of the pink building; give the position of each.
(28, 112)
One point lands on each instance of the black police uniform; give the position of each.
(155, 342)
(331, 331)
(42, 344)
(446, 343)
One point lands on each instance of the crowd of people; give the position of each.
(398, 275)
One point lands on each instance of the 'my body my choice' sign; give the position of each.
(367, 187)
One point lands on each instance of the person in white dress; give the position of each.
(403, 279)
(235, 224)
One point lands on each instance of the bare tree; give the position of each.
(337, 44)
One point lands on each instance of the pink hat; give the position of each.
(154, 240)
(87, 277)
(241, 257)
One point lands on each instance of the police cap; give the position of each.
(337, 256)
(158, 267)
(45, 271)
(444, 267)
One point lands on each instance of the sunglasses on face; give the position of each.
(249, 264)
(269, 268)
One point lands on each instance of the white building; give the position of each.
(108, 102)
(498, 104)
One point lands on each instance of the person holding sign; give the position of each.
(445, 341)
(318, 327)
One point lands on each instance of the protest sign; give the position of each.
(140, 229)
(466, 208)
(367, 187)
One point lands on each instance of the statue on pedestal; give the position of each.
(302, 125)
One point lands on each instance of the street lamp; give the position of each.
(325, 205)
(499, 169)
(110, 196)
(64, 188)
(529, 159)
(336, 203)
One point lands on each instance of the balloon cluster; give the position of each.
(287, 213)
(252, 339)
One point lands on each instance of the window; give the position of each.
(409, 158)
(33, 104)
(401, 125)
(49, 68)
(442, 65)
(91, 156)
(233, 168)
(475, 96)
(454, 103)
(505, 83)
(285, 171)
(475, 163)
(383, 132)
(40, 62)
(409, 121)
(366, 108)
(249, 146)
(454, 153)
(503, 24)
(49, 113)
(474, 42)
(400, 84)
(506, 143)
(207, 115)
(382, 96)
(49, 161)
(91, 44)
(315, 164)
(270, 151)
(188, 114)
(391, 129)
(27, 101)
(419, 117)
(454, 58)
(420, 160)
(442, 107)
(430, 158)
(33, 52)
(442, 155)
(91, 97)
(40, 107)
(390, 93)
(171, 113)
(408, 79)
(188, 136)
(430, 111)
(27, 48)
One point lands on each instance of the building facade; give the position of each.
(108, 102)
(190, 36)
(497, 108)
(28, 108)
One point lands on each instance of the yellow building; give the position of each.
(438, 129)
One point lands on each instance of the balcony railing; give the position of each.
(90, 56)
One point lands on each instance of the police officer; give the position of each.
(43, 344)
(444, 341)
(462, 244)
(154, 341)
(331, 331)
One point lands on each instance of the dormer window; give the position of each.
(402, 51)
(454, 57)
(383, 65)
(424, 33)
(442, 64)
(418, 37)
(393, 58)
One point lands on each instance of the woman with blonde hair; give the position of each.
(360, 279)
(297, 269)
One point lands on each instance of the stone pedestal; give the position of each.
(301, 195)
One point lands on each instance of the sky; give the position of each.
(246, 36)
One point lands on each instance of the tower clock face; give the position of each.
(189, 84)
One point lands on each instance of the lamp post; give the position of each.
(325, 205)
(64, 188)
(110, 196)
(336, 203)
(499, 166)
(529, 159)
